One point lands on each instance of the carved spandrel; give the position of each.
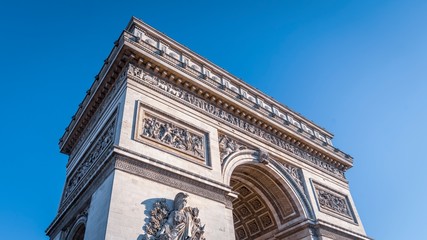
(228, 145)
(294, 172)
(173, 135)
(180, 223)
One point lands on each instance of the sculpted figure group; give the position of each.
(228, 146)
(182, 223)
(172, 135)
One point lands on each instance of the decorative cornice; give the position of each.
(101, 87)
(189, 98)
(165, 48)
(97, 115)
(209, 91)
(254, 105)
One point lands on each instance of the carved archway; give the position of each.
(270, 201)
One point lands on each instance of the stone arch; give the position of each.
(78, 229)
(269, 200)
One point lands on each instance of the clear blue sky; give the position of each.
(356, 68)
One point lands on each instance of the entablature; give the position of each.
(208, 82)
(214, 94)
(165, 48)
(240, 119)
(95, 95)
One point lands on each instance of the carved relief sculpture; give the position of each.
(227, 146)
(263, 156)
(182, 223)
(172, 135)
(333, 203)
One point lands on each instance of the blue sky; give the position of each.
(356, 68)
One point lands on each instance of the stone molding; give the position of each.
(97, 115)
(333, 203)
(296, 178)
(163, 176)
(288, 171)
(331, 234)
(152, 81)
(337, 232)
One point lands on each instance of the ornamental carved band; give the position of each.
(161, 85)
(333, 202)
(102, 143)
(174, 136)
(180, 223)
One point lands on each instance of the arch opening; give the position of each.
(264, 206)
(79, 233)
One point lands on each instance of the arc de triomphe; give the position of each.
(167, 145)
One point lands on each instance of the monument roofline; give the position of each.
(234, 95)
(166, 40)
(100, 87)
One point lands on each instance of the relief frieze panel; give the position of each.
(102, 143)
(184, 139)
(158, 84)
(333, 203)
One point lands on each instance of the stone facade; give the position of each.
(167, 145)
